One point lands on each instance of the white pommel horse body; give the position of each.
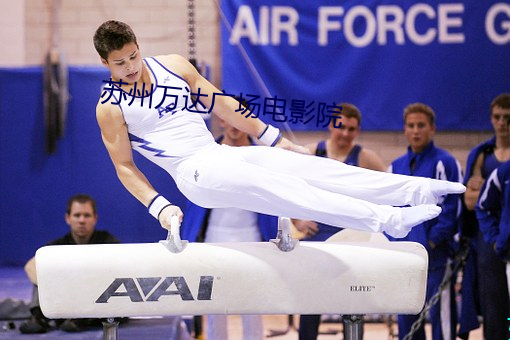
(154, 279)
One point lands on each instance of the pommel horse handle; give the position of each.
(284, 240)
(173, 240)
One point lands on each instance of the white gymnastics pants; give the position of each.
(278, 182)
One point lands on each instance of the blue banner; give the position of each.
(293, 61)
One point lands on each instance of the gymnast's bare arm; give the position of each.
(225, 107)
(115, 138)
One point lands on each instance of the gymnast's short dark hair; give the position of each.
(112, 35)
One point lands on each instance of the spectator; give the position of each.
(484, 277)
(81, 217)
(341, 146)
(424, 159)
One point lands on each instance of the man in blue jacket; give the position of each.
(424, 159)
(493, 211)
(484, 278)
(493, 214)
(229, 225)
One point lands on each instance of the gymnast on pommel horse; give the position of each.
(278, 178)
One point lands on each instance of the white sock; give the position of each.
(412, 216)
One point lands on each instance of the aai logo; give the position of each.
(152, 288)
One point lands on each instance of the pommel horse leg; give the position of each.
(353, 327)
(110, 329)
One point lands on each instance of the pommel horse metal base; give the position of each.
(352, 278)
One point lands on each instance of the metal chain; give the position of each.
(459, 265)
(191, 32)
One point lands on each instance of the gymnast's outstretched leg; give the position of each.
(215, 181)
(331, 175)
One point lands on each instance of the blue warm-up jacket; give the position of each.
(435, 163)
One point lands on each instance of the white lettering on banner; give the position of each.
(412, 34)
(383, 24)
(446, 21)
(384, 14)
(325, 25)
(284, 19)
(371, 27)
(490, 21)
(391, 18)
(244, 27)
(264, 25)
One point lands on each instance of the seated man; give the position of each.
(81, 216)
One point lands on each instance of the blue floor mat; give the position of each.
(134, 329)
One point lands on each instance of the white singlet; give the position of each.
(171, 133)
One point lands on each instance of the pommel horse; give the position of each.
(173, 277)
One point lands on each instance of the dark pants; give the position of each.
(493, 290)
(470, 306)
(405, 322)
(309, 327)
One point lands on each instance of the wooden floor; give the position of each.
(159, 329)
(279, 323)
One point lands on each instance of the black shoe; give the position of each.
(34, 326)
(70, 326)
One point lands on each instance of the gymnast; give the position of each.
(277, 178)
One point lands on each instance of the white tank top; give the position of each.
(232, 225)
(171, 133)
